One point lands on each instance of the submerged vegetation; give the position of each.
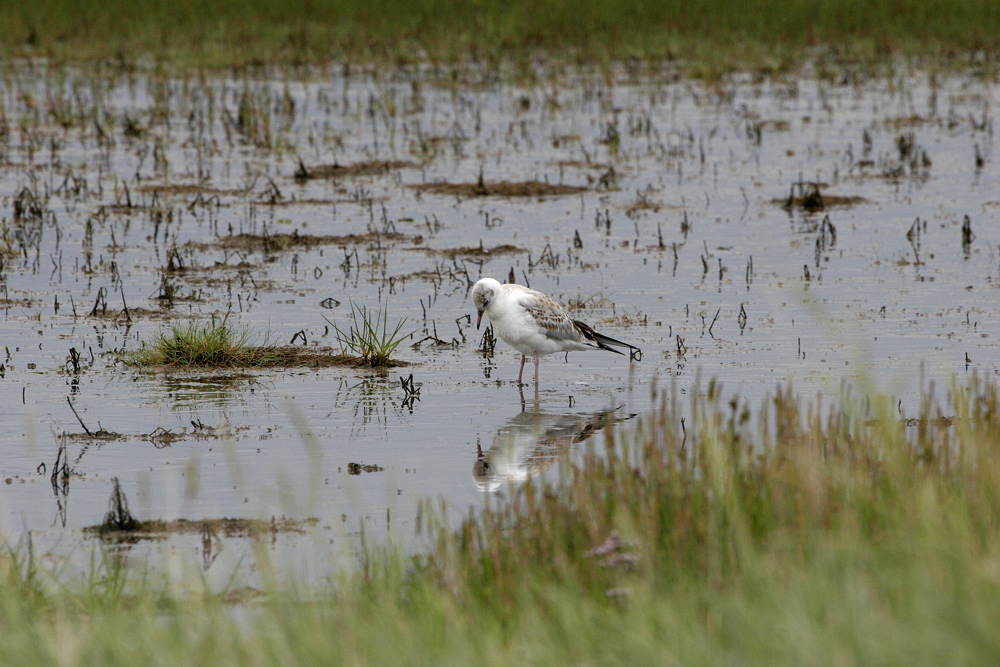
(230, 32)
(799, 533)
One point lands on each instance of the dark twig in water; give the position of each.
(458, 323)
(60, 469)
(74, 360)
(412, 391)
(913, 236)
(488, 343)
(128, 317)
(434, 339)
(408, 386)
(100, 303)
(713, 322)
(967, 236)
(118, 518)
(78, 416)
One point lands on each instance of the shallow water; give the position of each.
(680, 220)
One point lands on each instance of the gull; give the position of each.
(531, 442)
(534, 323)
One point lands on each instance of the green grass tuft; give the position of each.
(197, 345)
(369, 337)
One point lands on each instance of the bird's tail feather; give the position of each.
(599, 339)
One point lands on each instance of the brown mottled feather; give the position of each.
(551, 316)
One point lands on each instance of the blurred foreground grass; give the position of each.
(794, 533)
(715, 33)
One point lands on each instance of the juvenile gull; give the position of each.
(534, 323)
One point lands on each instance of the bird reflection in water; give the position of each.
(531, 443)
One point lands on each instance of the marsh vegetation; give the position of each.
(224, 222)
(787, 533)
(708, 37)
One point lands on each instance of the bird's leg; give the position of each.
(536, 370)
(520, 372)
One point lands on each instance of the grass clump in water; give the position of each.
(215, 345)
(369, 337)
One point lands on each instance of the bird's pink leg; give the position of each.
(521, 372)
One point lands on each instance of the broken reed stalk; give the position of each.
(76, 414)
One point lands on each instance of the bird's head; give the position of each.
(484, 292)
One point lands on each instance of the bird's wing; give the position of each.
(550, 317)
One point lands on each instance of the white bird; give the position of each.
(531, 443)
(534, 323)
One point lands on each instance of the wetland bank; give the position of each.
(808, 258)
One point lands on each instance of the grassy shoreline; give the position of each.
(792, 534)
(719, 34)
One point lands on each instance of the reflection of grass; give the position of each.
(725, 537)
(222, 388)
(200, 345)
(370, 401)
(369, 337)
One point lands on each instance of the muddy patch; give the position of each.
(159, 529)
(808, 196)
(358, 468)
(290, 356)
(507, 189)
(320, 357)
(276, 242)
(16, 303)
(100, 435)
(480, 251)
(120, 525)
(127, 315)
(160, 437)
(195, 189)
(336, 170)
(583, 164)
(643, 204)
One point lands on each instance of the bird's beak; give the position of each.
(479, 319)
